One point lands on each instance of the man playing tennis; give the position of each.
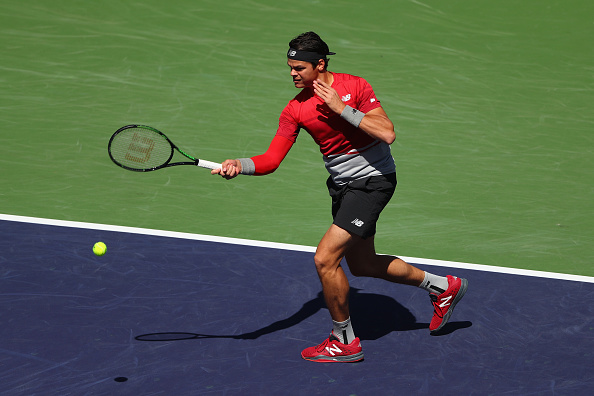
(346, 120)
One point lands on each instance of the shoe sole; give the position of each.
(446, 317)
(357, 357)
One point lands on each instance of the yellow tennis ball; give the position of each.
(99, 248)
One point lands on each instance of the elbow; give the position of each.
(390, 138)
(386, 136)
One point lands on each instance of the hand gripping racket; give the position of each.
(141, 148)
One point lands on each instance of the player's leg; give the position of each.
(445, 292)
(341, 345)
(363, 260)
(335, 285)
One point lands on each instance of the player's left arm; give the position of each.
(375, 122)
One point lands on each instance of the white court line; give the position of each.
(285, 246)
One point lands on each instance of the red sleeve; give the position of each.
(366, 98)
(269, 161)
(288, 127)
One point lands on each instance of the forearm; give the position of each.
(375, 123)
(268, 162)
(259, 165)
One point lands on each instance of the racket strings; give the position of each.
(140, 148)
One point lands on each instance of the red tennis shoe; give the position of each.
(332, 351)
(444, 303)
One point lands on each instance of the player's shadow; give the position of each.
(374, 316)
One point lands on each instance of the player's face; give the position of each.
(303, 73)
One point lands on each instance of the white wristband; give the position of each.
(352, 116)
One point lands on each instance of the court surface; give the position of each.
(174, 316)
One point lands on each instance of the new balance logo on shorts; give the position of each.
(358, 223)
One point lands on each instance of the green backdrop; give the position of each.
(492, 102)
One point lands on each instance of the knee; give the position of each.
(320, 261)
(324, 263)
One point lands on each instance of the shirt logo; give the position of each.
(346, 98)
(372, 100)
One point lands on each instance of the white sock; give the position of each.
(434, 284)
(344, 331)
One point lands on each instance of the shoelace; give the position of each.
(434, 299)
(322, 346)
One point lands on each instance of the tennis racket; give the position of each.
(141, 148)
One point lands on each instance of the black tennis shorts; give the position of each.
(356, 206)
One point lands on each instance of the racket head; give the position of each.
(140, 148)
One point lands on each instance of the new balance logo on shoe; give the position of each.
(358, 223)
(333, 349)
(445, 301)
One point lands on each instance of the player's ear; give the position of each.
(321, 66)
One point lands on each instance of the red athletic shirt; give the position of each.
(333, 134)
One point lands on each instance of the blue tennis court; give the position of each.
(161, 316)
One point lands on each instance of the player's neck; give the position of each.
(324, 76)
(327, 77)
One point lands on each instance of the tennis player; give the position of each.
(344, 117)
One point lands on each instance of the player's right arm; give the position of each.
(259, 165)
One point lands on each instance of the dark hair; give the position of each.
(310, 41)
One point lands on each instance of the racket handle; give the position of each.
(208, 164)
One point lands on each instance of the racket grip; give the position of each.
(208, 164)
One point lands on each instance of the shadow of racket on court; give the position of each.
(308, 309)
(374, 316)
